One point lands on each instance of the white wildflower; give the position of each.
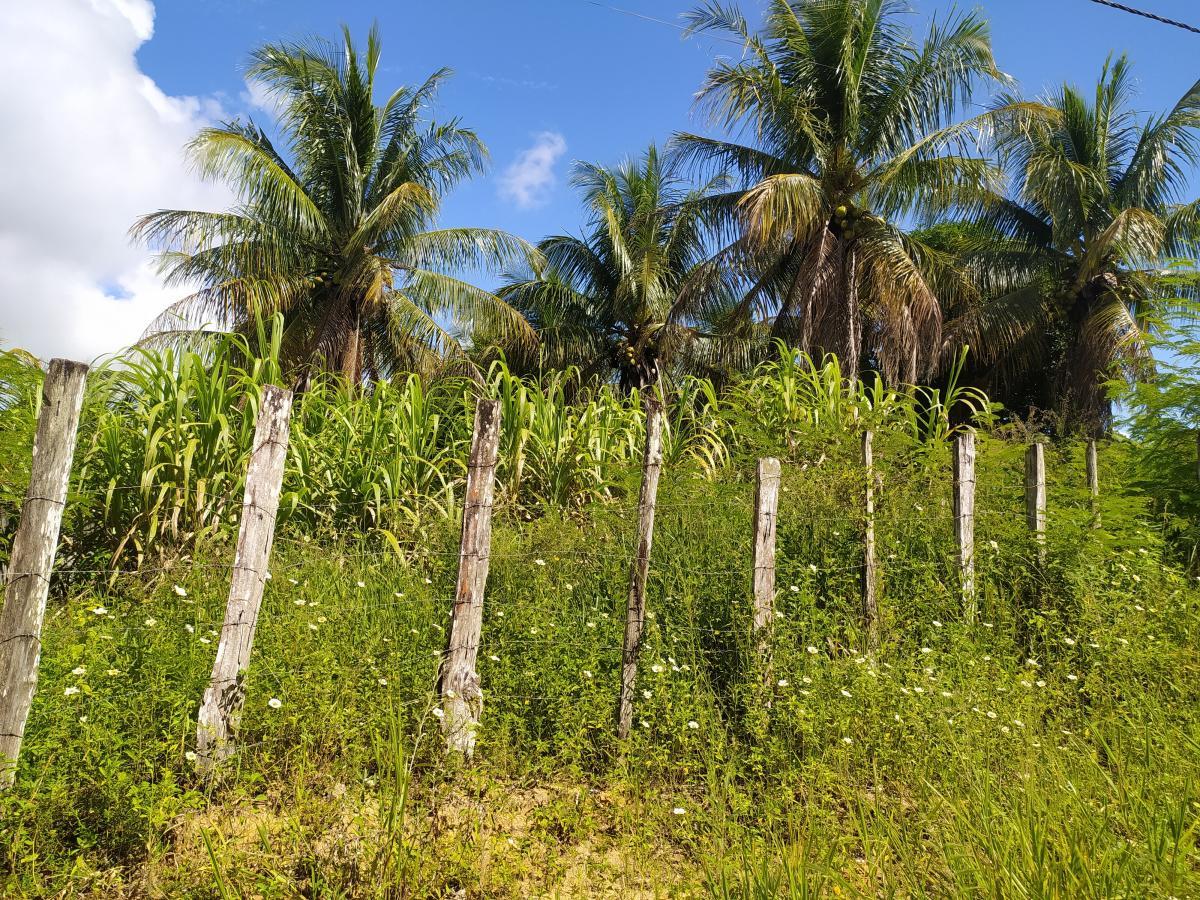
(693, 724)
(100, 611)
(274, 703)
(180, 590)
(71, 691)
(79, 670)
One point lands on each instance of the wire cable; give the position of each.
(668, 23)
(1147, 15)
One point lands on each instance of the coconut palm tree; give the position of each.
(638, 291)
(843, 130)
(336, 232)
(1074, 267)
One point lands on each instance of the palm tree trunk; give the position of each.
(352, 354)
(853, 327)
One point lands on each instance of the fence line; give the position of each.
(457, 684)
(27, 586)
(635, 610)
(221, 707)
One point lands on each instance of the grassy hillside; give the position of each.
(1050, 750)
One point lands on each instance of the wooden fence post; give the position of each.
(870, 586)
(221, 709)
(27, 585)
(458, 682)
(766, 512)
(964, 518)
(1093, 479)
(1035, 493)
(635, 609)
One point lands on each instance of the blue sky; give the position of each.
(95, 136)
(608, 82)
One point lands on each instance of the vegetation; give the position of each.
(853, 133)
(1049, 750)
(1072, 265)
(635, 295)
(1048, 746)
(845, 206)
(337, 237)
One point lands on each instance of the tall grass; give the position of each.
(1050, 750)
(166, 436)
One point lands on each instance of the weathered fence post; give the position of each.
(1035, 492)
(766, 512)
(28, 580)
(1093, 480)
(458, 682)
(635, 610)
(221, 709)
(964, 518)
(870, 586)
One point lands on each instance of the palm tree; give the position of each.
(336, 233)
(850, 133)
(638, 292)
(1073, 268)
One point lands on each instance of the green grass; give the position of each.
(949, 765)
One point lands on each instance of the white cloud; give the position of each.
(530, 178)
(258, 96)
(90, 144)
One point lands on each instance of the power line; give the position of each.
(1148, 15)
(657, 21)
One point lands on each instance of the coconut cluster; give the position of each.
(847, 221)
